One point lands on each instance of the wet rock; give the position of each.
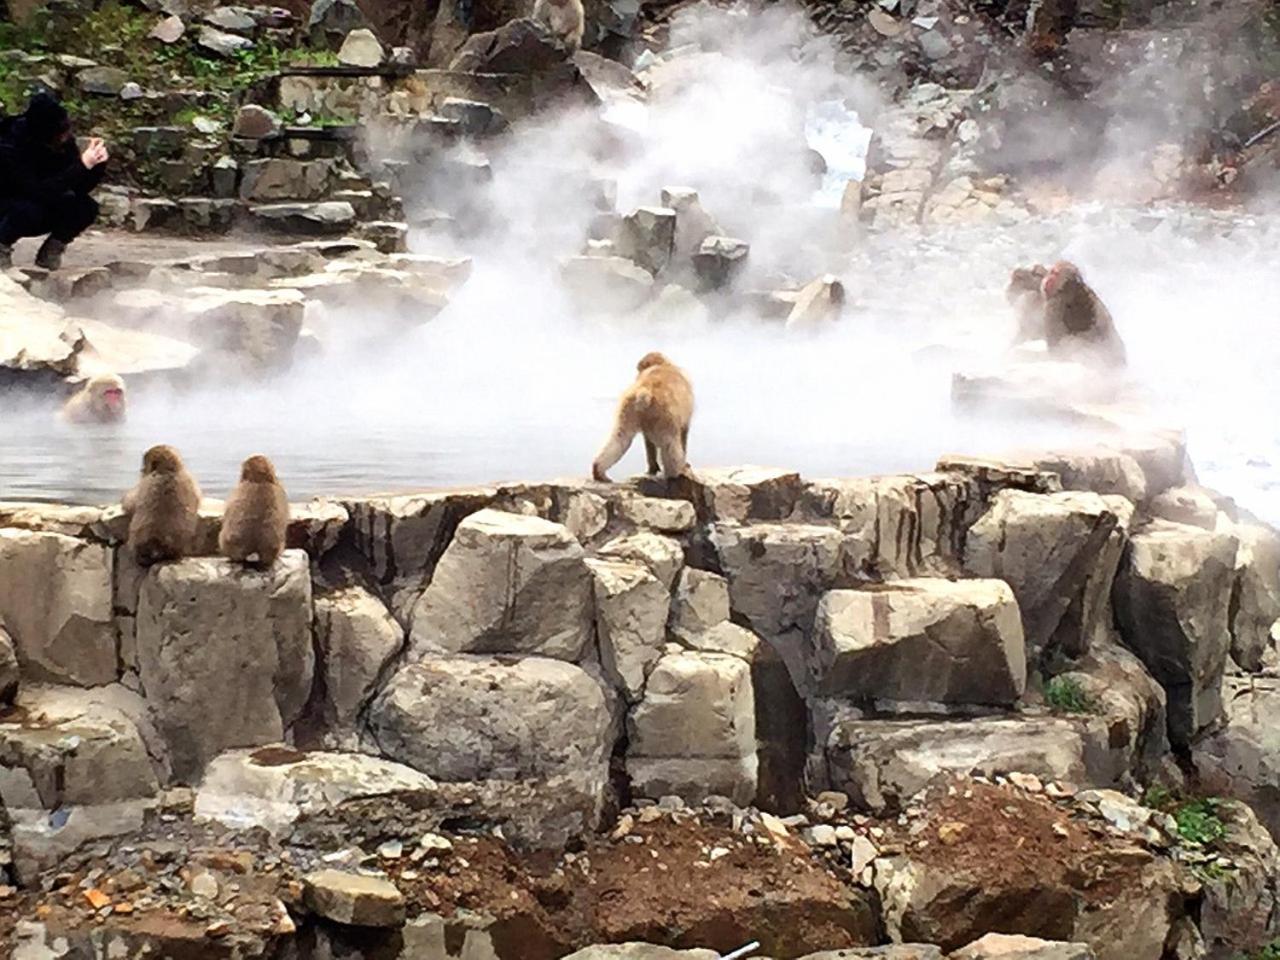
(1172, 600)
(916, 640)
(631, 618)
(55, 603)
(718, 260)
(883, 763)
(541, 726)
(1255, 601)
(361, 49)
(353, 899)
(507, 584)
(1004, 946)
(331, 21)
(106, 81)
(1059, 552)
(220, 43)
(518, 46)
(1242, 758)
(255, 123)
(10, 675)
(325, 217)
(701, 602)
(647, 237)
(817, 304)
(694, 732)
(663, 556)
(608, 283)
(356, 637)
(264, 181)
(250, 686)
(273, 786)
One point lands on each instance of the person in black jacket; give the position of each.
(45, 181)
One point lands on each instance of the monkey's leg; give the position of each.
(613, 451)
(673, 461)
(651, 455)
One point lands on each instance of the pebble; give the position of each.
(205, 885)
(650, 814)
(775, 826)
(864, 851)
(1026, 781)
(845, 833)
(391, 850)
(823, 835)
(716, 853)
(433, 841)
(834, 798)
(625, 825)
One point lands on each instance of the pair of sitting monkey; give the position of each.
(164, 507)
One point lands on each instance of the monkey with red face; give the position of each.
(1076, 322)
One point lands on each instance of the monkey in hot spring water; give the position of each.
(100, 400)
(659, 405)
(1076, 322)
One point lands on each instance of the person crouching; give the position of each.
(45, 181)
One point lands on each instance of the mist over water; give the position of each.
(511, 382)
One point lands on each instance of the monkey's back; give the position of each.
(255, 523)
(1081, 319)
(165, 513)
(662, 399)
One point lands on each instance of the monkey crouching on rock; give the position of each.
(659, 405)
(163, 508)
(256, 520)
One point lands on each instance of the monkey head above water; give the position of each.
(659, 405)
(566, 20)
(163, 508)
(99, 400)
(1076, 322)
(256, 520)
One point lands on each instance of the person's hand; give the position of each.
(95, 154)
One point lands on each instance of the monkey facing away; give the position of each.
(99, 400)
(163, 508)
(1027, 299)
(659, 405)
(256, 519)
(1075, 320)
(566, 19)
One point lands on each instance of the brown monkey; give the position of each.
(566, 19)
(1027, 299)
(257, 516)
(163, 508)
(1075, 319)
(100, 400)
(659, 404)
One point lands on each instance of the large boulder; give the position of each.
(38, 346)
(356, 637)
(663, 556)
(1100, 470)
(1242, 759)
(694, 733)
(224, 654)
(536, 722)
(700, 603)
(508, 583)
(1240, 910)
(55, 603)
(693, 224)
(522, 45)
(1059, 552)
(631, 607)
(647, 236)
(1173, 598)
(279, 178)
(918, 640)
(1255, 604)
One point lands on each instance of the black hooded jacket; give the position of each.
(32, 167)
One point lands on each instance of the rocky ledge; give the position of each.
(516, 720)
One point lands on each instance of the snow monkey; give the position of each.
(162, 508)
(659, 405)
(257, 516)
(564, 18)
(1075, 320)
(1027, 299)
(100, 400)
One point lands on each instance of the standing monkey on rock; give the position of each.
(100, 400)
(163, 508)
(565, 19)
(659, 405)
(1075, 319)
(257, 516)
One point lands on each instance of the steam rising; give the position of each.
(511, 383)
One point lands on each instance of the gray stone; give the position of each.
(917, 640)
(331, 20)
(817, 304)
(1099, 470)
(247, 688)
(220, 43)
(353, 899)
(658, 513)
(693, 223)
(168, 31)
(662, 555)
(325, 217)
(1255, 606)
(255, 123)
(55, 603)
(647, 237)
(701, 602)
(631, 618)
(280, 179)
(1192, 506)
(356, 637)
(233, 19)
(159, 142)
(1242, 758)
(10, 675)
(224, 178)
(478, 119)
(1004, 946)
(508, 583)
(1173, 597)
(718, 261)
(361, 49)
(106, 81)
(694, 733)
(259, 327)
(521, 46)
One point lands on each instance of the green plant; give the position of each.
(1198, 821)
(1270, 952)
(1065, 694)
(1158, 797)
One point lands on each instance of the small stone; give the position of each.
(169, 30)
(391, 850)
(221, 44)
(96, 898)
(131, 91)
(864, 851)
(625, 825)
(205, 885)
(1026, 781)
(361, 49)
(1060, 791)
(823, 835)
(845, 833)
(433, 841)
(106, 81)
(233, 19)
(650, 814)
(1061, 830)
(353, 899)
(255, 123)
(670, 803)
(218, 929)
(206, 125)
(774, 825)
(716, 853)
(835, 799)
(950, 832)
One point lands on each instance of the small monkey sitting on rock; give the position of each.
(163, 508)
(566, 19)
(256, 519)
(659, 404)
(100, 400)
